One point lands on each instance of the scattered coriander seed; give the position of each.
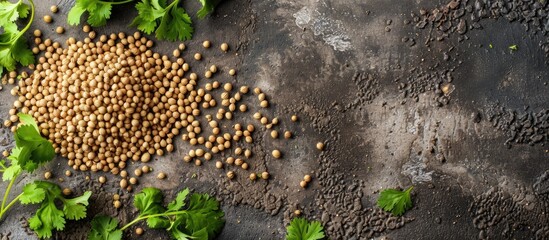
(47, 175)
(197, 162)
(176, 53)
(133, 181)
(86, 28)
(276, 153)
(274, 134)
(182, 46)
(197, 56)
(219, 164)
(230, 174)
(123, 183)
(123, 173)
(60, 30)
(264, 104)
(297, 212)
(307, 178)
(102, 179)
(47, 18)
(243, 89)
(138, 172)
(208, 74)
(145, 169)
(245, 166)
(68, 173)
(67, 192)
(243, 108)
(228, 87)
(287, 134)
(320, 146)
(303, 184)
(145, 157)
(224, 47)
(213, 68)
(206, 44)
(257, 115)
(116, 197)
(117, 204)
(294, 118)
(257, 90)
(161, 175)
(265, 175)
(253, 176)
(54, 9)
(5, 153)
(232, 72)
(37, 33)
(139, 231)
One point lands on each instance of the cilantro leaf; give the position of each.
(179, 201)
(104, 228)
(395, 201)
(98, 11)
(168, 22)
(27, 119)
(75, 208)
(32, 194)
(149, 201)
(49, 217)
(207, 7)
(11, 172)
(32, 149)
(203, 213)
(300, 229)
(14, 48)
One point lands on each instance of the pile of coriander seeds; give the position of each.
(108, 99)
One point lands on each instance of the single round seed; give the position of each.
(294, 118)
(274, 134)
(161, 175)
(182, 46)
(232, 72)
(228, 87)
(47, 18)
(116, 197)
(47, 175)
(243, 108)
(244, 89)
(276, 153)
(264, 104)
(287, 134)
(176, 53)
(197, 56)
(68, 173)
(265, 175)
(54, 9)
(60, 30)
(213, 68)
(37, 33)
(145, 169)
(307, 178)
(245, 166)
(230, 174)
(224, 47)
(197, 162)
(206, 44)
(102, 179)
(67, 192)
(117, 204)
(208, 74)
(123, 173)
(219, 164)
(123, 183)
(86, 28)
(320, 146)
(297, 212)
(303, 184)
(253, 176)
(139, 231)
(133, 181)
(145, 157)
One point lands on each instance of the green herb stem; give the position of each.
(10, 205)
(3, 209)
(150, 216)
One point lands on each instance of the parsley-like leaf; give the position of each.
(13, 47)
(300, 229)
(168, 22)
(10, 12)
(207, 7)
(179, 201)
(395, 201)
(149, 201)
(104, 228)
(99, 11)
(49, 217)
(32, 149)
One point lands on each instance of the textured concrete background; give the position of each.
(365, 77)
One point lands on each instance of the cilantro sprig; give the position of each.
(32, 151)
(395, 201)
(169, 22)
(13, 47)
(301, 229)
(98, 11)
(194, 217)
